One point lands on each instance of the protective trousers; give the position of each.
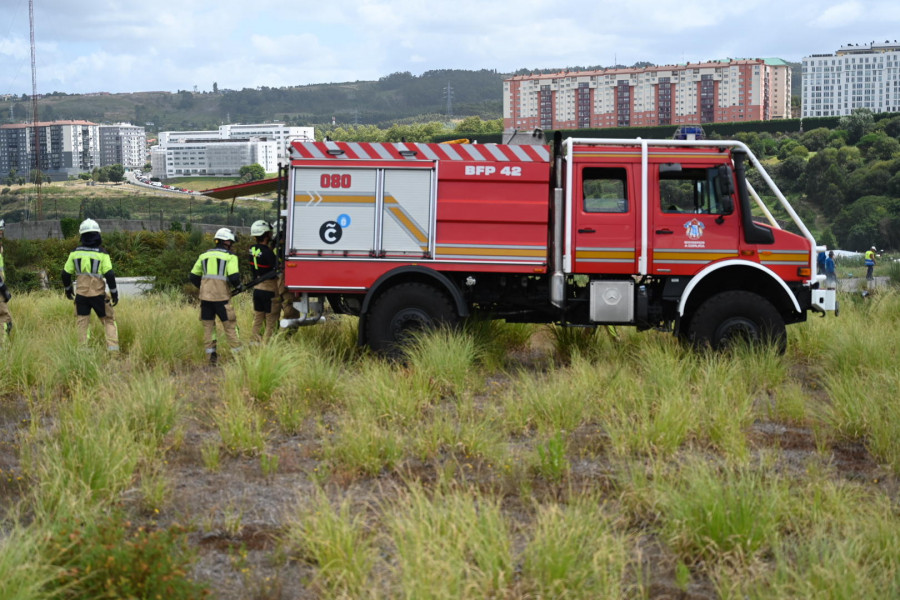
(285, 300)
(266, 310)
(103, 308)
(209, 310)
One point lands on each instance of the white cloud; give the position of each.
(839, 15)
(176, 44)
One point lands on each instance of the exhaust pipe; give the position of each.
(312, 311)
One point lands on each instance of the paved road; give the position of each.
(851, 284)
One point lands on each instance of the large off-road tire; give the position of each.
(405, 309)
(737, 316)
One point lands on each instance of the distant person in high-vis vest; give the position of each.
(5, 318)
(216, 273)
(870, 264)
(92, 269)
(266, 304)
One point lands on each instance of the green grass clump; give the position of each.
(710, 512)
(241, 425)
(337, 541)
(449, 544)
(87, 459)
(575, 551)
(24, 575)
(444, 360)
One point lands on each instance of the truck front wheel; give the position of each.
(405, 309)
(737, 316)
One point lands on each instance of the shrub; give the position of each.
(108, 558)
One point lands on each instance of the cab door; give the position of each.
(692, 217)
(605, 215)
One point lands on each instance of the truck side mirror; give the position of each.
(725, 180)
(725, 185)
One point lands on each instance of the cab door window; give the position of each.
(604, 190)
(690, 190)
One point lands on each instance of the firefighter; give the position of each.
(266, 307)
(216, 271)
(5, 318)
(90, 265)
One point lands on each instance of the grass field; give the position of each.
(503, 461)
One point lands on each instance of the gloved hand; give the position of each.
(6, 294)
(115, 298)
(70, 295)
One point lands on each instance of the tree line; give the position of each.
(849, 176)
(391, 99)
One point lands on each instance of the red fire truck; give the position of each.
(651, 233)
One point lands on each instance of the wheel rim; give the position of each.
(736, 329)
(407, 321)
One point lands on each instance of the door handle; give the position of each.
(587, 230)
(665, 231)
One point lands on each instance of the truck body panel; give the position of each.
(360, 215)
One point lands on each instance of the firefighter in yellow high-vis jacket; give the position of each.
(216, 273)
(92, 269)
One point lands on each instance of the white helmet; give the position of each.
(88, 226)
(259, 228)
(224, 234)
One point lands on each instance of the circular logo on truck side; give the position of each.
(330, 232)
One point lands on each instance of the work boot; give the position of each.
(213, 359)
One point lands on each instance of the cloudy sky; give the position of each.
(87, 46)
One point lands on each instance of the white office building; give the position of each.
(224, 151)
(278, 132)
(218, 158)
(855, 76)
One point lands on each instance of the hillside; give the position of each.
(393, 98)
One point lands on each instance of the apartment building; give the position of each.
(123, 144)
(68, 148)
(854, 76)
(64, 148)
(709, 92)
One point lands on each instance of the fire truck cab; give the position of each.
(649, 233)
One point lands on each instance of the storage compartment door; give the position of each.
(334, 211)
(407, 211)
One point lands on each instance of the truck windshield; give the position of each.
(689, 191)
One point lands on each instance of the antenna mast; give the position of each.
(34, 117)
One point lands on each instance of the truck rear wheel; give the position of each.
(405, 309)
(737, 316)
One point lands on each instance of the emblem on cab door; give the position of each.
(694, 229)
